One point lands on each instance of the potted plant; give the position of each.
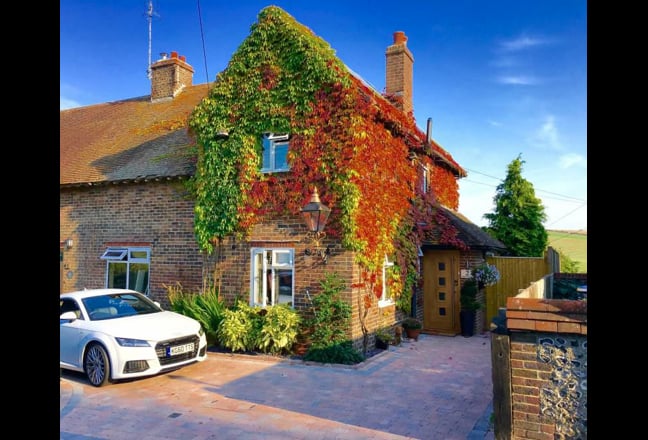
(383, 338)
(469, 306)
(412, 327)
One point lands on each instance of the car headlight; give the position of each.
(129, 342)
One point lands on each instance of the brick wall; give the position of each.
(232, 270)
(548, 364)
(157, 215)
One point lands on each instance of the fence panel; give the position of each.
(516, 273)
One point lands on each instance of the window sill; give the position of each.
(387, 303)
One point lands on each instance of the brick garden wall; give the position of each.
(548, 368)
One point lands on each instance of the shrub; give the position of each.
(469, 295)
(240, 328)
(205, 307)
(270, 330)
(279, 329)
(331, 314)
(339, 353)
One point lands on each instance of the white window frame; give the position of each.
(126, 255)
(383, 301)
(425, 174)
(261, 292)
(269, 144)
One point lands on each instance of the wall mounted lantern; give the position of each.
(69, 243)
(315, 216)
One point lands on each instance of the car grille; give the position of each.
(161, 350)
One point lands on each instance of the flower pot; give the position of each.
(300, 348)
(467, 320)
(383, 345)
(413, 333)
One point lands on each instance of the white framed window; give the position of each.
(128, 268)
(272, 276)
(275, 152)
(425, 175)
(386, 298)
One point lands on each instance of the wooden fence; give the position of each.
(516, 273)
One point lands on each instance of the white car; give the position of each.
(114, 334)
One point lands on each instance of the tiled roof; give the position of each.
(128, 140)
(469, 233)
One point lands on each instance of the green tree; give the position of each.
(517, 220)
(567, 265)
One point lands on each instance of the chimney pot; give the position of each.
(400, 37)
(183, 58)
(163, 55)
(174, 54)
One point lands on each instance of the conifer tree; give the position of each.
(517, 220)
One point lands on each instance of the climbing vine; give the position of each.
(347, 141)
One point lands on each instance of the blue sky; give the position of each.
(498, 78)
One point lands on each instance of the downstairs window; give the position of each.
(128, 268)
(273, 274)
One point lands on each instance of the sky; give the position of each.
(499, 79)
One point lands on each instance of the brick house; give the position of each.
(142, 203)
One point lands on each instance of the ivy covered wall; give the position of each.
(362, 154)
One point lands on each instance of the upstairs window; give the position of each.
(275, 152)
(424, 179)
(128, 268)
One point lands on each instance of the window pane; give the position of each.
(114, 254)
(442, 281)
(441, 266)
(442, 311)
(282, 258)
(281, 156)
(258, 279)
(284, 286)
(139, 254)
(441, 296)
(138, 278)
(117, 275)
(266, 154)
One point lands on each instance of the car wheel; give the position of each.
(97, 365)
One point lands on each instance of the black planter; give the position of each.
(467, 320)
(383, 345)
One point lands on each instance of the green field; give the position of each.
(571, 243)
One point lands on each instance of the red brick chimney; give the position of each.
(399, 72)
(169, 76)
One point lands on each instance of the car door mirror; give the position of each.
(68, 316)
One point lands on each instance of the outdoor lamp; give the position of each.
(315, 216)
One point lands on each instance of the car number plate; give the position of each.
(179, 349)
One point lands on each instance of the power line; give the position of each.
(202, 35)
(563, 197)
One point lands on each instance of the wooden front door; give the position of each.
(441, 292)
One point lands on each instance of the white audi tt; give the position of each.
(114, 334)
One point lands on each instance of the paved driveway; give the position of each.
(437, 388)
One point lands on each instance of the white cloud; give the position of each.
(521, 43)
(494, 123)
(547, 134)
(571, 160)
(67, 103)
(518, 80)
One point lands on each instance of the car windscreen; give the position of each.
(118, 305)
